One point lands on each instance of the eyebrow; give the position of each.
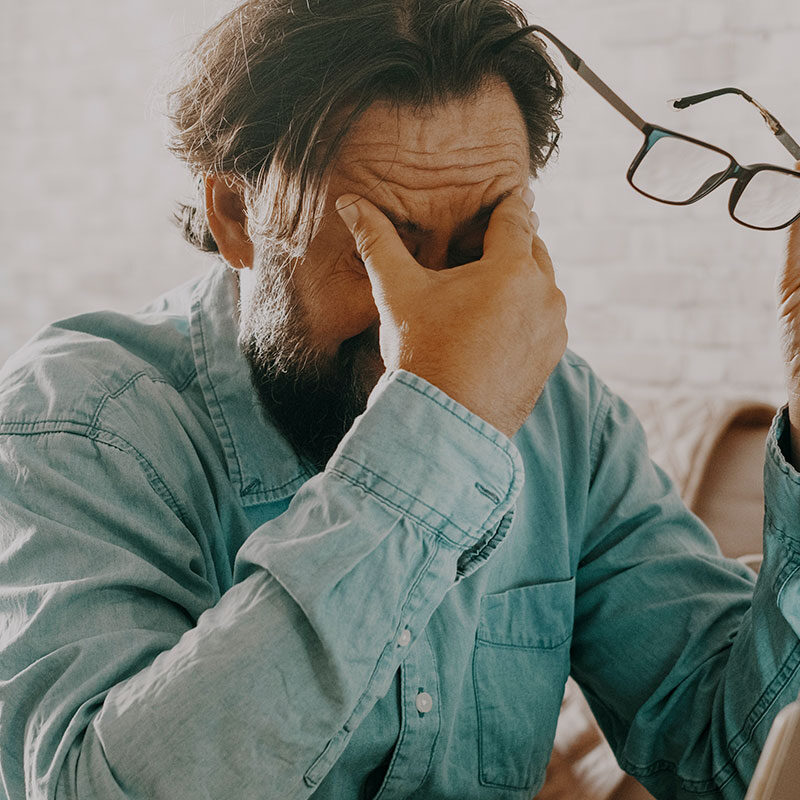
(413, 227)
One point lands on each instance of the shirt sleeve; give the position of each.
(115, 685)
(685, 657)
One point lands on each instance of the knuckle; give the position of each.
(521, 222)
(367, 241)
(561, 302)
(540, 251)
(511, 224)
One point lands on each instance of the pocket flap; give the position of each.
(539, 615)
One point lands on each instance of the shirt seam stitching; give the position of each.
(603, 410)
(438, 706)
(756, 714)
(786, 539)
(396, 507)
(388, 649)
(777, 456)
(538, 647)
(94, 433)
(182, 387)
(113, 395)
(464, 420)
(204, 356)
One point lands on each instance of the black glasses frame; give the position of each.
(652, 133)
(781, 134)
(735, 171)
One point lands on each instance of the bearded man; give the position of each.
(339, 519)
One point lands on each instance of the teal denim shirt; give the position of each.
(187, 612)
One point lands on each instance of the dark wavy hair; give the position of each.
(272, 89)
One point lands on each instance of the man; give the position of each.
(270, 538)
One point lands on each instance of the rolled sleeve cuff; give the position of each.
(782, 521)
(782, 485)
(431, 458)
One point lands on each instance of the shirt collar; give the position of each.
(261, 462)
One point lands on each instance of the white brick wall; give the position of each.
(669, 300)
(88, 188)
(661, 300)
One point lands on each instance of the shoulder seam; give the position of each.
(108, 438)
(120, 391)
(131, 381)
(575, 361)
(603, 408)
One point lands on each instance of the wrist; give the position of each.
(473, 397)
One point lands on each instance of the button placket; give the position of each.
(418, 729)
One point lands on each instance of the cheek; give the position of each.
(337, 297)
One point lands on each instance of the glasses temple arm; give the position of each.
(577, 63)
(775, 126)
(608, 94)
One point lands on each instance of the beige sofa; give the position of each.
(714, 451)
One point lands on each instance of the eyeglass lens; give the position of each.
(675, 170)
(771, 199)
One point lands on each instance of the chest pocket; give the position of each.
(520, 665)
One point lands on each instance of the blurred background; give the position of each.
(662, 300)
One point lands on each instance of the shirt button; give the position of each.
(404, 638)
(424, 702)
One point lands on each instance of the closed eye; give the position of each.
(467, 246)
(457, 256)
(457, 259)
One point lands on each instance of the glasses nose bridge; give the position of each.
(743, 176)
(732, 172)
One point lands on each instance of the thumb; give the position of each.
(386, 258)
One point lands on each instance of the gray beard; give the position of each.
(312, 397)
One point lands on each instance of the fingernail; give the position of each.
(535, 221)
(347, 207)
(528, 196)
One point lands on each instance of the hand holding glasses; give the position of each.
(679, 170)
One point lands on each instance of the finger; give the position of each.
(542, 257)
(510, 232)
(380, 248)
(794, 246)
(789, 279)
(793, 262)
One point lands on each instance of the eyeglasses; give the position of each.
(677, 169)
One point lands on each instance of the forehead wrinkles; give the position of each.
(376, 161)
(462, 141)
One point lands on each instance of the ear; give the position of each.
(227, 219)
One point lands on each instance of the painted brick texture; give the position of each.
(661, 300)
(667, 300)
